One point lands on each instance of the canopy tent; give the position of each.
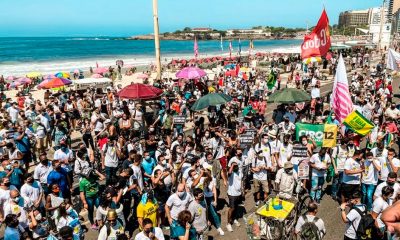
(85, 83)
(339, 46)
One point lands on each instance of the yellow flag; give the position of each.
(330, 135)
(358, 123)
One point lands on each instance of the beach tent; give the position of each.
(85, 83)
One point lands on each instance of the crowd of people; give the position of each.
(134, 173)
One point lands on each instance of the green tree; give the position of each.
(187, 29)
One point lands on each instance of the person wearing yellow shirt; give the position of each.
(147, 208)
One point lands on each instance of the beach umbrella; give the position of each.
(11, 78)
(54, 83)
(211, 99)
(62, 75)
(230, 66)
(142, 76)
(24, 80)
(289, 95)
(138, 91)
(34, 74)
(101, 70)
(96, 75)
(312, 60)
(191, 73)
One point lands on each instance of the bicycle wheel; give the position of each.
(302, 209)
(274, 230)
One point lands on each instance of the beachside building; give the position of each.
(262, 32)
(354, 18)
(393, 7)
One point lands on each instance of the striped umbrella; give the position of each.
(54, 83)
(62, 75)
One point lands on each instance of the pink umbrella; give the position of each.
(11, 78)
(142, 76)
(191, 73)
(24, 80)
(96, 76)
(101, 70)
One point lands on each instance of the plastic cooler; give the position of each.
(273, 209)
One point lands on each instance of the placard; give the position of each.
(246, 139)
(179, 120)
(300, 151)
(251, 131)
(303, 169)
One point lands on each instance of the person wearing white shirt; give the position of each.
(235, 177)
(388, 164)
(379, 205)
(285, 151)
(369, 179)
(391, 181)
(13, 112)
(353, 217)
(310, 216)
(339, 156)
(42, 171)
(352, 175)
(32, 192)
(177, 203)
(315, 92)
(319, 163)
(149, 232)
(260, 167)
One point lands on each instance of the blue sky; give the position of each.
(131, 17)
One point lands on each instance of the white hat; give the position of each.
(272, 133)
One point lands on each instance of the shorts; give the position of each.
(234, 201)
(223, 162)
(41, 143)
(261, 184)
(349, 189)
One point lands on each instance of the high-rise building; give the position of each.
(354, 18)
(394, 6)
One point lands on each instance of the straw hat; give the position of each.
(287, 165)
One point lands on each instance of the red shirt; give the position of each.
(102, 141)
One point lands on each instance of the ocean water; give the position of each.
(19, 56)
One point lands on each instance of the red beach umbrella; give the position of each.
(138, 91)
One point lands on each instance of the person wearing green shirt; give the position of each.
(89, 189)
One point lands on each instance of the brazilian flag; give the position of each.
(272, 79)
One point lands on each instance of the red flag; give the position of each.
(318, 42)
(196, 48)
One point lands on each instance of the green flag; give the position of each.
(271, 79)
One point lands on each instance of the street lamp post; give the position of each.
(157, 38)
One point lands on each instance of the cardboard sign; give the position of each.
(251, 131)
(246, 139)
(179, 120)
(300, 151)
(303, 169)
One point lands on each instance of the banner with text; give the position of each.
(358, 123)
(324, 135)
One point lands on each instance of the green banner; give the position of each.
(324, 135)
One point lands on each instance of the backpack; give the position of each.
(309, 230)
(366, 227)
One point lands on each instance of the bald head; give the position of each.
(181, 187)
(14, 193)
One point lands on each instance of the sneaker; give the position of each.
(221, 233)
(94, 227)
(236, 223)
(229, 227)
(257, 203)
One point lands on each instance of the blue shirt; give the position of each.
(59, 177)
(11, 234)
(23, 145)
(15, 178)
(178, 231)
(148, 166)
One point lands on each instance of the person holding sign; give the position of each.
(319, 163)
(339, 154)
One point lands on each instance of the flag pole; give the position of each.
(157, 38)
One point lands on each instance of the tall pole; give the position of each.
(381, 27)
(157, 38)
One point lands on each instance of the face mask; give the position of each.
(181, 195)
(151, 129)
(63, 148)
(236, 169)
(148, 231)
(38, 217)
(265, 140)
(390, 184)
(8, 167)
(164, 162)
(201, 198)
(304, 142)
(289, 171)
(376, 122)
(16, 199)
(69, 210)
(30, 180)
(147, 158)
(7, 184)
(239, 154)
(207, 135)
